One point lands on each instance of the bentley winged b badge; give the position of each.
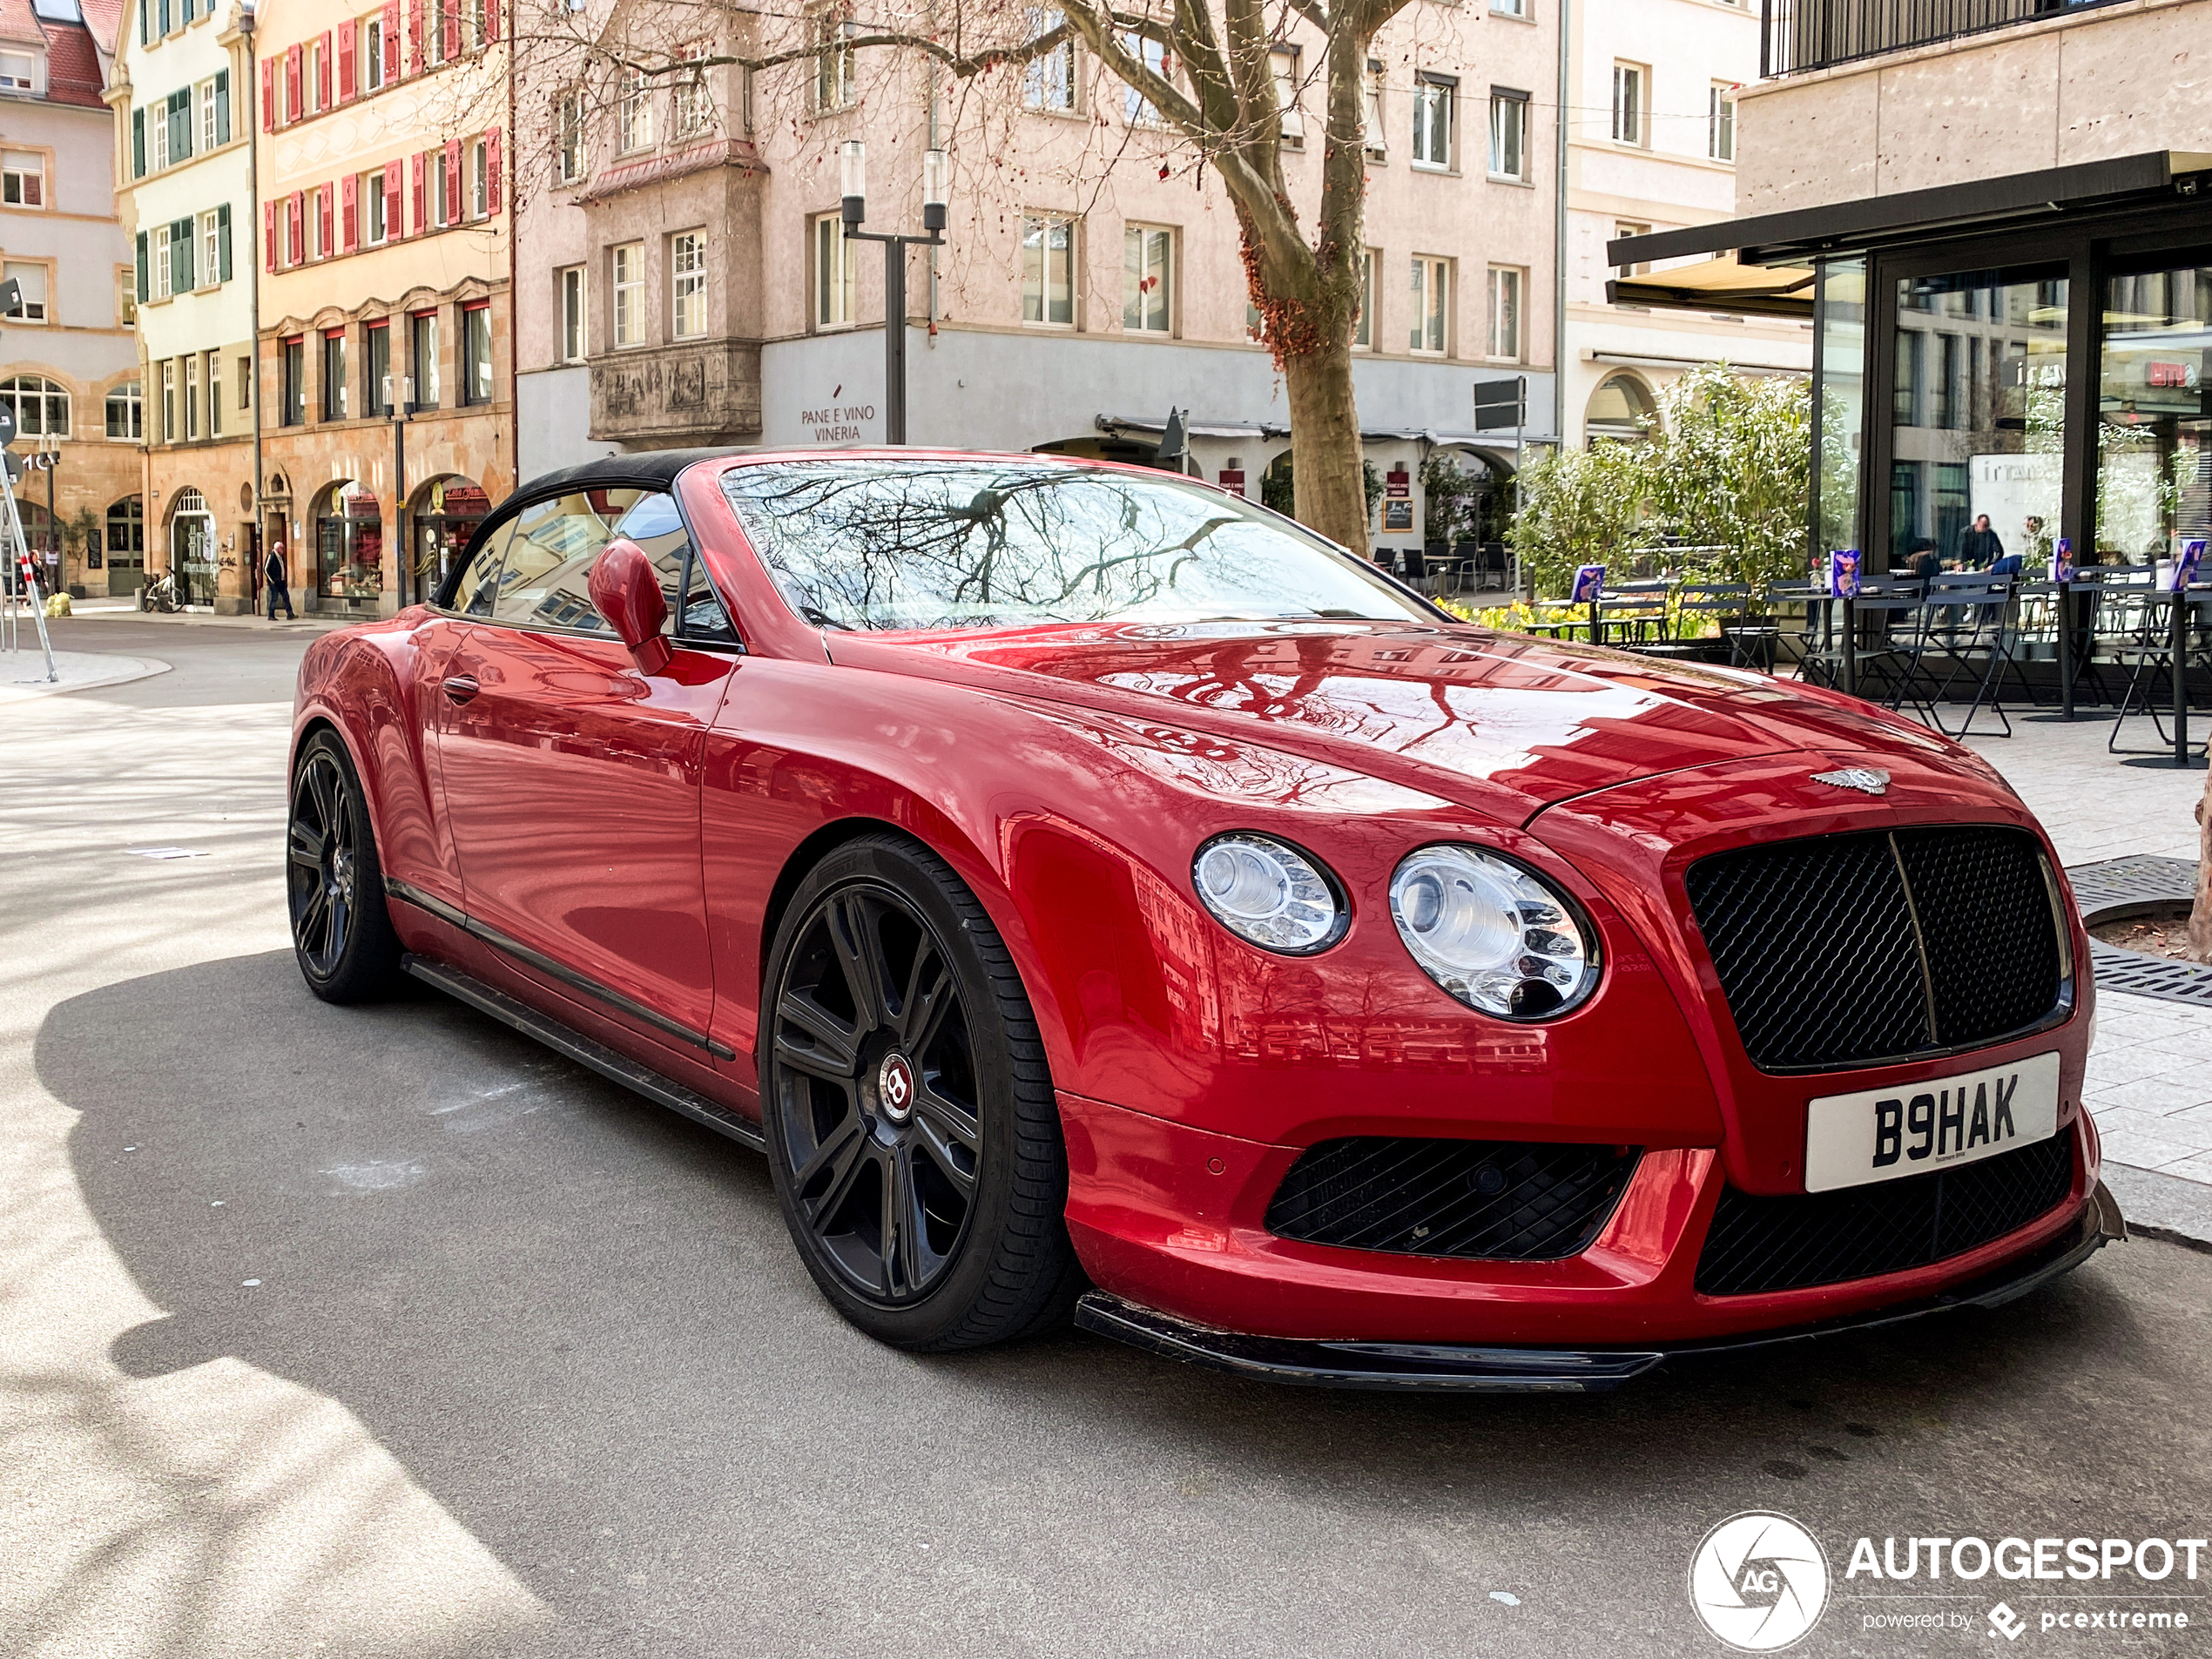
(1866, 779)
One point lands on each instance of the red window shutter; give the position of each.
(491, 171)
(322, 73)
(451, 42)
(324, 239)
(349, 213)
(268, 236)
(391, 40)
(346, 64)
(415, 37)
(454, 215)
(294, 100)
(491, 21)
(415, 183)
(394, 222)
(268, 94)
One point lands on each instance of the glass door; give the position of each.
(2154, 425)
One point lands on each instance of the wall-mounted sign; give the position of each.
(1398, 516)
(1232, 481)
(837, 422)
(1397, 484)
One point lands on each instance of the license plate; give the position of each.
(1885, 1134)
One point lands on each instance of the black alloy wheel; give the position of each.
(341, 931)
(911, 1128)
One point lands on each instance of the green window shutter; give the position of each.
(137, 144)
(181, 124)
(180, 256)
(223, 108)
(223, 240)
(162, 16)
(142, 267)
(146, 23)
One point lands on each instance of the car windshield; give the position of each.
(896, 544)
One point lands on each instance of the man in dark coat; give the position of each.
(278, 580)
(1980, 548)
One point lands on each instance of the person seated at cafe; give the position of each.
(1980, 548)
(1920, 560)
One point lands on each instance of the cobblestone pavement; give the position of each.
(2150, 1074)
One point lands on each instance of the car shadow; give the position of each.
(575, 1321)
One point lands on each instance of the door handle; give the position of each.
(459, 688)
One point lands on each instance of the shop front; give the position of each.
(1998, 364)
(192, 554)
(350, 548)
(445, 514)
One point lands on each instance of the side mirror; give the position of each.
(626, 590)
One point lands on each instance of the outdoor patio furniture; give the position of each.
(1696, 603)
(2149, 660)
(1966, 634)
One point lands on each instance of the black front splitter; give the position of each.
(1412, 1367)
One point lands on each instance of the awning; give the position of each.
(1725, 285)
(1119, 425)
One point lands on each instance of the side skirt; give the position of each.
(665, 1091)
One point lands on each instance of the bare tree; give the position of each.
(1206, 76)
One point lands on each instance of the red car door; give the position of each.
(572, 780)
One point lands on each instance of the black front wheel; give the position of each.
(341, 931)
(911, 1128)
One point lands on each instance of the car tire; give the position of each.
(855, 1013)
(341, 924)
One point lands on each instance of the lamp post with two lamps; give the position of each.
(854, 190)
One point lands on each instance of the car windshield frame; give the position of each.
(978, 542)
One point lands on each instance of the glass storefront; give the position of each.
(445, 517)
(349, 545)
(191, 548)
(2154, 425)
(1978, 438)
(1840, 345)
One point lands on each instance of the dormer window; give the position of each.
(20, 72)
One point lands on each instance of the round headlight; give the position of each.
(1496, 936)
(1268, 892)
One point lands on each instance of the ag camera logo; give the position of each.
(1759, 1582)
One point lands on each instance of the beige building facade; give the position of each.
(384, 363)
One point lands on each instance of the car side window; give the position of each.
(545, 580)
(693, 611)
(479, 584)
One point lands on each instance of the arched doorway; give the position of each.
(1621, 410)
(349, 544)
(444, 516)
(1277, 491)
(124, 538)
(192, 547)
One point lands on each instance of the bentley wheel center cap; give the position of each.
(894, 1087)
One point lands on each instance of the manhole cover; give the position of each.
(2121, 887)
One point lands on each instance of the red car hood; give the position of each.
(1501, 722)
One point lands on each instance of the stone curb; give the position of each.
(2163, 1206)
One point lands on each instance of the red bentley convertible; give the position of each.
(1094, 892)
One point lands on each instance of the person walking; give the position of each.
(278, 581)
(1981, 547)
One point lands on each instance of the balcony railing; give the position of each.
(1801, 34)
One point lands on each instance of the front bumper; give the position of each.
(1402, 1367)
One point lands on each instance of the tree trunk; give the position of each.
(1325, 458)
(2200, 916)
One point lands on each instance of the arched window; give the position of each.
(1622, 409)
(126, 413)
(41, 406)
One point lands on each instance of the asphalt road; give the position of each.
(386, 1332)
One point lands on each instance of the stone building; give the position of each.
(182, 95)
(68, 364)
(384, 371)
(682, 281)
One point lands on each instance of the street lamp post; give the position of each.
(855, 210)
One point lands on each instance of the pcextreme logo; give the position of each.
(1759, 1582)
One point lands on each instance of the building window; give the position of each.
(211, 249)
(444, 186)
(1628, 103)
(161, 272)
(1720, 122)
(687, 264)
(834, 66)
(575, 339)
(32, 279)
(1377, 130)
(837, 285)
(373, 54)
(568, 136)
(376, 369)
(126, 532)
(19, 72)
(168, 400)
(1510, 8)
(475, 352)
(333, 374)
(1363, 329)
(479, 180)
(23, 178)
(687, 114)
(40, 406)
(1148, 279)
(425, 354)
(1049, 271)
(191, 397)
(245, 383)
(630, 293)
(1136, 109)
(1432, 99)
(635, 114)
(368, 193)
(126, 418)
(1623, 227)
(214, 394)
(1432, 296)
(207, 108)
(1508, 135)
(1502, 338)
(475, 25)
(295, 382)
(1049, 82)
(1283, 63)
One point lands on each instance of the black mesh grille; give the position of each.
(1821, 961)
(1787, 1243)
(1520, 1201)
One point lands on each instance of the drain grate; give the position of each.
(2117, 887)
